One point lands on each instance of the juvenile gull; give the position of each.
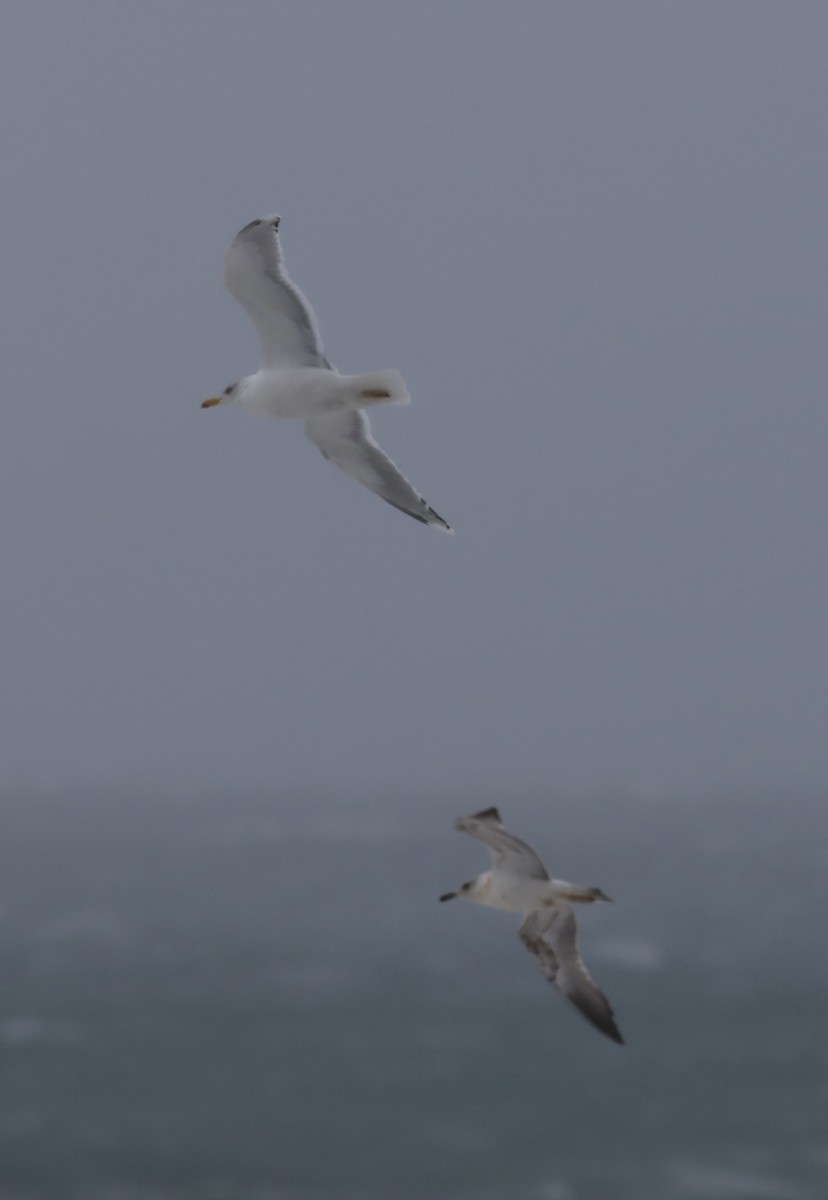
(297, 380)
(519, 882)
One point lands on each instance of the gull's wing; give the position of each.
(508, 852)
(562, 965)
(344, 437)
(284, 320)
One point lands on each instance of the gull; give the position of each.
(519, 882)
(297, 380)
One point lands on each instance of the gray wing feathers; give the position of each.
(507, 851)
(562, 965)
(284, 320)
(345, 438)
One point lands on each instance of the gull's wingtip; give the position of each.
(464, 824)
(430, 518)
(591, 1003)
(487, 814)
(272, 220)
(608, 1027)
(435, 521)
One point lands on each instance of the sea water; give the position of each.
(216, 999)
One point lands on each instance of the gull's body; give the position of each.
(518, 882)
(297, 381)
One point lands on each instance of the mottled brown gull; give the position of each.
(519, 882)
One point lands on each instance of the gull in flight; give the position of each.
(297, 380)
(519, 882)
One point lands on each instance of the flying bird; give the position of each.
(519, 882)
(297, 380)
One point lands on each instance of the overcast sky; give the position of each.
(593, 239)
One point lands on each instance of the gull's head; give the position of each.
(472, 890)
(230, 395)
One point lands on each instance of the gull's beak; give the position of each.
(449, 896)
(211, 402)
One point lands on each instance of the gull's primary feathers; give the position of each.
(519, 882)
(297, 380)
(508, 852)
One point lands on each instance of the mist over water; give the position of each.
(591, 237)
(262, 999)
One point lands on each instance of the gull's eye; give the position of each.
(229, 389)
(276, 223)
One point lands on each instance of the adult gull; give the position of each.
(297, 380)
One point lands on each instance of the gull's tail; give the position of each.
(377, 387)
(580, 895)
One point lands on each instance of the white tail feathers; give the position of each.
(378, 387)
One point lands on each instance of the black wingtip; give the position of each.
(595, 1007)
(437, 521)
(614, 1034)
(487, 814)
(604, 1023)
(434, 520)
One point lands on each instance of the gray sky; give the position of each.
(592, 237)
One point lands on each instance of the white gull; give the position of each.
(297, 380)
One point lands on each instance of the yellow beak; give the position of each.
(213, 400)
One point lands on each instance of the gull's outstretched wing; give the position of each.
(344, 437)
(562, 965)
(284, 320)
(508, 852)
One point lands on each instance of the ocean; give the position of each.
(217, 998)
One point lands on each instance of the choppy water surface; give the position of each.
(263, 1000)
